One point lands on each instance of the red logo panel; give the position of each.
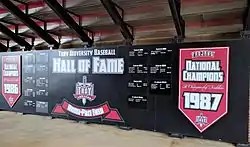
(85, 91)
(102, 111)
(11, 79)
(203, 85)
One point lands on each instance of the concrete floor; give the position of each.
(36, 131)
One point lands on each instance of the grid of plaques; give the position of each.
(138, 81)
(150, 72)
(160, 75)
(35, 81)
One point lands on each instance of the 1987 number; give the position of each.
(202, 101)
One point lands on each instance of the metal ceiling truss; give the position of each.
(15, 37)
(68, 20)
(3, 48)
(126, 30)
(26, 36)
(245, 33)
(73, 13)
(246, 17)
(39, 19)
(79, 21)
(45, 28)
(175, 8)
(24, 17)
(17, 33)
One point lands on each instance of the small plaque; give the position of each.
(42, 58)
(42, 82)
(42, 92)
(160, 87)
(160, 51)
(29, 103)
(42, 107)
(138, 69)
(137, 101)
(161, 69)
(140, 52)
(137, 84)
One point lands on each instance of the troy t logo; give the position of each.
(84, 91)
(201, 120)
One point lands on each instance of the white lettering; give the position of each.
(86, 90)
(11, 88)
(63, 53)
(107, 52)
(85, 112)
(10, 73)
(202, 76)
(10, 66)
(202, 101)
(202, 71)
(10, 59)
(98, 112)
(203, 53)
(81, 53)
(83, 66)
(63, 66)
(202, 65)
(73, 110)
(108, 65)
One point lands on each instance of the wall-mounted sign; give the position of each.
(84, 91)
(203, 85)
(160, 87)
(137, 101)
(96, 63)
(137, 84)
(11, 79)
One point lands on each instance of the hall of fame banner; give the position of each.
(87, 62)
(203, 85)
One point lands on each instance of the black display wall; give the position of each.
(134, 86)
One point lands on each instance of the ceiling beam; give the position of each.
(7, 22)
(13, 9)
(4, 37)
(3, 48)
(175, 6)
(111, 8)
(15, 37)
(246, 17)
(68, 20)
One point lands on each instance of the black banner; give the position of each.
(133, 86)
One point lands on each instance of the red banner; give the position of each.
(101, 111)
(11, 79)
(203, 85)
